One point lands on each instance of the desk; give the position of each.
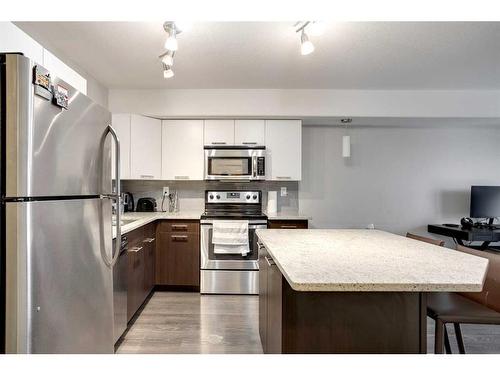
(485, 235)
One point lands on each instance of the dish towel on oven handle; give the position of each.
(230, 237)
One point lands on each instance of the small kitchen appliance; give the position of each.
(146, 205)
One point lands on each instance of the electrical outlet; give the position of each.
(284, 192)
(166, 190)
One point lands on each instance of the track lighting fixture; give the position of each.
(171, 42)
(167, 72)
(168, 58)
(171, 45)
(306, 46)
(307, 28)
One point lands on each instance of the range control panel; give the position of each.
(233, 196)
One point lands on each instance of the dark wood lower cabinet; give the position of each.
(178, 254)
(287, 224)
(337, 322)
(141, 258)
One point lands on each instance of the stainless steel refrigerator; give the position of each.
(55, 222)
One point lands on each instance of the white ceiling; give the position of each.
(368, 55)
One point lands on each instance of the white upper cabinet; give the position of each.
(145, 150)
(219, 132)
(121, 124)
(182, 150)
(59, 69)
(249, 132)
(284, 150)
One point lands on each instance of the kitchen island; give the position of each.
(353, 291)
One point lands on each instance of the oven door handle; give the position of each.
(253, 227)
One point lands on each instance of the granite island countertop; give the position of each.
(143, 218)
(369, 260)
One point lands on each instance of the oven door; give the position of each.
(212, 261)
(233, 163)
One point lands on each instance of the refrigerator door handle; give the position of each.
(117, 198)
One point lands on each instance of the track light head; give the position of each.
(167, 71)
(306, 46)
(171, 42)
(168, 58)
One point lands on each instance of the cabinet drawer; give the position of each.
(287, 224)
(179, 226)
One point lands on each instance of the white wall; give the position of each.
(306, 103)
(398, 178)
(13, 39)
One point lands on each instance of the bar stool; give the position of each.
(466, 308)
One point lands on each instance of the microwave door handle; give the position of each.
(254, 166)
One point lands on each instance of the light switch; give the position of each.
(284, 192)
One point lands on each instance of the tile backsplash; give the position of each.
(192, 193)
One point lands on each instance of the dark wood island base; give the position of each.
(337, 322)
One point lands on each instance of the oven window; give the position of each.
(252, 255)
(229, 166)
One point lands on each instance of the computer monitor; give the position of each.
(485, 202)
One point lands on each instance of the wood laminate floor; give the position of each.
(178, 323)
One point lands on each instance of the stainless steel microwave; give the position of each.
(243, 163)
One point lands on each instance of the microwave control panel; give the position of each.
(261, 166)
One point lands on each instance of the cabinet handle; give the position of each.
(181, 177)
(179, 238)
(179, 226)
(270, 261)
(218, 143)
(135, 249)
(283, 177)
(249, 143)
(149, 240)
(288, 227)
(147, 176)
(260, 246)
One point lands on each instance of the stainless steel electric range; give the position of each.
(230, 273)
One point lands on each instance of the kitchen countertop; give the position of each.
(291, 215)
(369, 260)
(143, 218)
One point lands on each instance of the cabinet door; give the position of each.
(284, 150)
(274, 308)
(121, 124)
(178, 259)
(182, 150)
(263, 274)
(249, 132)
(149, 258)
(145, 150)
(219, 132)
(135, 293)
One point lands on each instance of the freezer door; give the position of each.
(51, 151)
(59, 289)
